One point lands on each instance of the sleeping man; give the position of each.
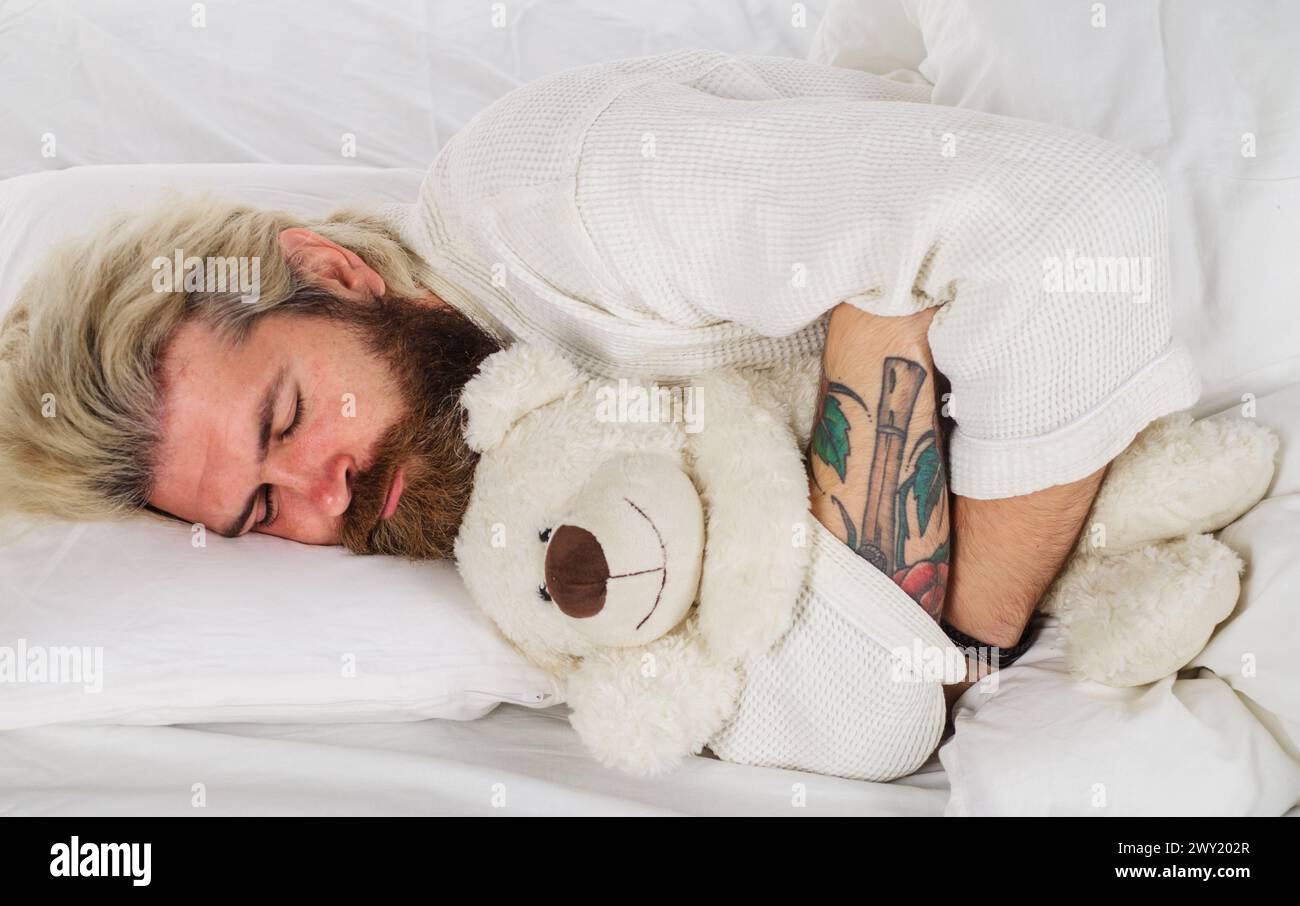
(998, 287)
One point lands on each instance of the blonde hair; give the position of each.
(79, 350)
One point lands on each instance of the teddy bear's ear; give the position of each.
(510, 384)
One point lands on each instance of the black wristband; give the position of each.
(995, 657)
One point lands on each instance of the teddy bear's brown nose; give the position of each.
(576, 572)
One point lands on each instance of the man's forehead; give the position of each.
(208, 423)
(195, 343)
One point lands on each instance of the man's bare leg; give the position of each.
(1003, 553)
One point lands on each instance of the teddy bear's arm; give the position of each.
(755, 493)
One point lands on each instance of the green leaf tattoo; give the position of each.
(929, 485)
(901, 536)
(830, 439)
(831, 436)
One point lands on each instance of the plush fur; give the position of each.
(1138, 616)
(642, 709)
(1145, 588)
(643, 695)
(655, 673)
(1182, 477)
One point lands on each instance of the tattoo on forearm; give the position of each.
(903, 528)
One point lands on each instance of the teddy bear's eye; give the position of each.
(543, 593)
(544, 535)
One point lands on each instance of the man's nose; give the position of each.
(332, 489)
(327, 484)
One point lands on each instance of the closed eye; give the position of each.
(299, 410)
(268, 501)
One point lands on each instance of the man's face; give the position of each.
(324, 430)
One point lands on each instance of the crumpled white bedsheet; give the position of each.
(1047, 744)
(1222, 738)
(513, 762)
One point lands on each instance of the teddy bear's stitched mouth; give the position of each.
(663, 559)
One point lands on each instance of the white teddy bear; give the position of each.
(586, 534)
(643, 543)
(1147, 584)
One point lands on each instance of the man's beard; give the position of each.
(432, 351)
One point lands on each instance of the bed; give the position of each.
(361, 102)
(513, 761)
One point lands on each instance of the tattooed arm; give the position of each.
(878, 478)
(879, 484)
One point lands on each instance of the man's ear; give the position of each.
(325, 262)
(510, 384)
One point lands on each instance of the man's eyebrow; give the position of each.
(265, 414)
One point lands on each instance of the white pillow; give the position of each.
(253, 629)
(1181, 83)
(247, 629)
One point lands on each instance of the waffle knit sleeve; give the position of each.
(765, 191)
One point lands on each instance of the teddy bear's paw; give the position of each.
(1137, 617)
(642, 710)
(749, 617)
(1180, 477)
